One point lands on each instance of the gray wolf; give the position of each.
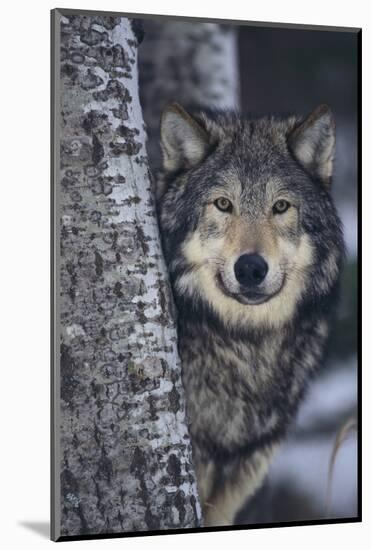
(254, 249)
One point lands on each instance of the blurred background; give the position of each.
(261, 70)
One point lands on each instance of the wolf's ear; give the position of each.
(313, 143)
(184, 142)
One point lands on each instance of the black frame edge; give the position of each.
(232, 528)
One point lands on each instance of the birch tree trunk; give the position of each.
(125, 450)
(193, 63)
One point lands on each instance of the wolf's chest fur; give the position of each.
(243, 388)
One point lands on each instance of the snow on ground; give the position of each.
(303, 461)
(332, 393)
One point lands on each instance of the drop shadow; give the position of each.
(42, 528)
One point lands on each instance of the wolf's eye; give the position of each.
(223, 204)
(281, 206)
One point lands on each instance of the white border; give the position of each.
(25, 268)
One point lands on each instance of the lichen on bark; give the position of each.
(125, 451)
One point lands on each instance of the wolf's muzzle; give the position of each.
(250, 270)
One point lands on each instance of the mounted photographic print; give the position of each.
(205, 183)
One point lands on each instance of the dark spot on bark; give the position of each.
(143, 493)
(152, 408)
(100, 505)
(69, 181)
(93, 120)
(69, 383)
(87, 123)
(114, 239)
(174, 469)
(130, 148)
(132, 200)
(120, 518)
(121, 112)
(90, 80)
(162, 298)
(98, 186)
(164, 366)
(75, 196)
(91, 37)
(78, 22)
(63, 53)
(96, 434)
(141, 160)
(98, 150)
(151, 520)
(121, 358)
(138, 463)
(75, 441)
(95, 216)
(180, 504)
(105, 467)
(138, 30)
(70, 71)
(93, 171)
(117, 289)
(98, 263)
(68, 482)
(141, 239)
(174, 398)
(97, 389)
(114, 89)
(72, 294)
(112, 57)
(127, 132)
(107, 22)
(75, 230)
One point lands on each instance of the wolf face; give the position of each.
(254, 249)
(247, 219)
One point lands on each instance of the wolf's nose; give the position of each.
(250, 269)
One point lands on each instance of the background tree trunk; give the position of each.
(193, 63)
(125, 449)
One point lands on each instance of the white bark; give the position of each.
(125, 450)
(193, 63)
